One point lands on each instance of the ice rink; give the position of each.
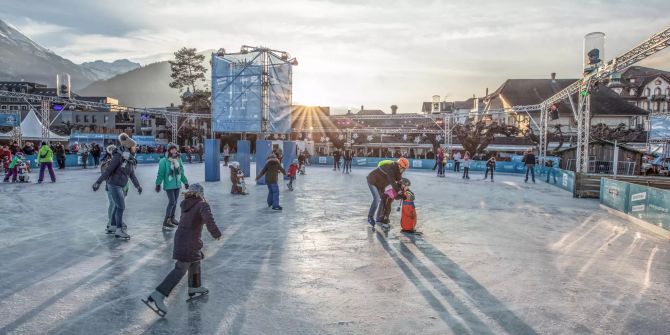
(495, 258)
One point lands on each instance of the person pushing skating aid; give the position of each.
(384, 184)
(195, 212)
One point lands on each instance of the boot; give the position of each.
(156, 301)
(167, 224)
(174, 221)
(111, 229)
(121, 233)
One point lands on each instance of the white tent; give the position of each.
(31, 129)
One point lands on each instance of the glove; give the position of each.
(96, 186)
(186, 186)
(158, 188)
(139, 190)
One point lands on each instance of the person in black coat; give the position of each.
(120, 169)
(378, 180)
(187, 251)
(59, 151)
(529, 160)
(95, 152)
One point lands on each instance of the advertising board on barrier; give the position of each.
(361, 161)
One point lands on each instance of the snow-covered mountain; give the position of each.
(23, 59)
(105, 70)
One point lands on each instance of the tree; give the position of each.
(619, 133)
(187, 69)
(475, 137)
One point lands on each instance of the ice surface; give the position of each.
(495, 258)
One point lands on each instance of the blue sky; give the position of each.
(352, 53)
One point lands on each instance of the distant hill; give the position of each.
(105, 70)
(147, 86)
(23, 59)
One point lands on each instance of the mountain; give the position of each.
(23, 59)
(147, 86)
(105, 70)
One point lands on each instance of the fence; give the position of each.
(646, 203)
(605, 167)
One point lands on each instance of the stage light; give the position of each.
(221, 52)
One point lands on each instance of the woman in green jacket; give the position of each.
(45, 158)
(171, 176)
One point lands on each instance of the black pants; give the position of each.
(174, 277)
(96, 160)
(347, 166)
(84, 160)
(466, 172)
(457, 166)
(488, 168)
(440, 169)
(61, 162)
(336, 164)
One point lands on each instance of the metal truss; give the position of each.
(371, 130)
(654, 44)
(45, 101)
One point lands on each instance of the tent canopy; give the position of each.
(31, 129)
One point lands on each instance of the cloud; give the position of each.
(370, 52)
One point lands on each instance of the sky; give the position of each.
(374, 53)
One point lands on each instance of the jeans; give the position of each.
(376, 201)
(290, 182)
(336, 164)
(51, 172)
(551, 171)
(457, 166)
(347, 166)
(488, 168)
(530, 168)
(117, 196)
(466, 172)
(173, 196)
(440, 168)
(273, 195)
(174, 277)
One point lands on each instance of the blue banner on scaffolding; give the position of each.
(279, 94)
(10, 120)
(236, 92)
(659, 128)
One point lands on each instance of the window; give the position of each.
(24, 107)
(93, 118)
(3, 107)
(106, 118)
(85, 118)
(632, 91)
(76, 119)
(647, 92)
(657, 91)
(14, 108)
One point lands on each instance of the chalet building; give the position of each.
(643, 87)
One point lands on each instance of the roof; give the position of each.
(519, 92)
(467, 104)
(31, 129)
(371, 112)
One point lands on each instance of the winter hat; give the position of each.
(235, 165)
(126, 141)
(295, 161)
(110, 149)
(172, 145)
(197, 189)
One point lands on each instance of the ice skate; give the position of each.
(174, 221)
(196, 292)
(110, 229)
(156, 302)
(371, 222)
(121, 233)
(167, 224)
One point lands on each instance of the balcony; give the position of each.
(658, 97)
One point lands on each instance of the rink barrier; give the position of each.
(73, 160)
(649, 204)
(501, 167)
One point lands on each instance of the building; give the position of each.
(607, 106)
(643, 87)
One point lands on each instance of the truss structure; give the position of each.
(582, 111)
(45, 102)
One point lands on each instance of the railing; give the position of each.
(606, 167)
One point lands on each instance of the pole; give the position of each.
(615, 168)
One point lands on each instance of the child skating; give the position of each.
(292, 172)
(237, 179)
(195, 212)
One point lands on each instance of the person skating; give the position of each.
(551, 171)
(120, 169)
(336, 159)
(187, 250)
(226, 154)
(171, 175)
(28, 149)
(237, 179)
(439, 162)
(271, 171)
(13, 168)
(466, 165)
(348, 157)
(490, 167)
(529, 160)
(95, 152)
(457, 161)
(386, 175)
(84, 151)
(302, 161)
(45, 160)
(106, 159)
(59, 151)
(292, 172)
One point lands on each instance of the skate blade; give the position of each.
(122, 238)
(160, 313)
(197, 296)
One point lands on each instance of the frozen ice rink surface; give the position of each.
(495, 258)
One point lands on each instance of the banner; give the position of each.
(10, 120)
(659, 128)
(279, 95)
(236, 92)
